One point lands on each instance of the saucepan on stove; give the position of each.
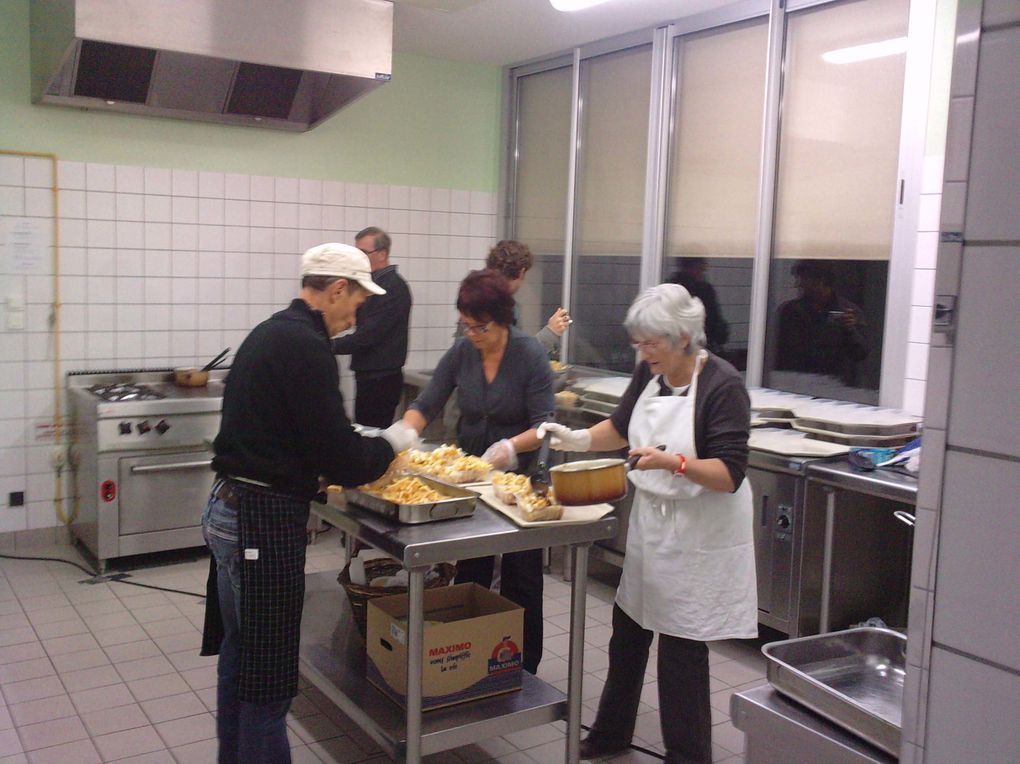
(192, 376)
(592, 481)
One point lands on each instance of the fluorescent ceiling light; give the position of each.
(867, 51)
(574, 5)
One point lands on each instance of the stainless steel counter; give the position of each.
(885, 484)
(408, 735)
(780, 731)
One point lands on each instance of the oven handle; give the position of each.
(171, 467)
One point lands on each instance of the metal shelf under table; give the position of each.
(332, 651)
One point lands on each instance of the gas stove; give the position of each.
(125, 391)
(143, 453)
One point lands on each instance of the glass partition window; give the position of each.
(835, 197)
(712, 202)
(542, 152)
(609, 205)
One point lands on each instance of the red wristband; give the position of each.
(681, 469)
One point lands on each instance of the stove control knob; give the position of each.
(125, 428)
(162, 426)
(144, 427)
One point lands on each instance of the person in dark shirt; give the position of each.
(504, 383)
(514, 259)
(688, 571)
(820, 332)
(690, 274)
(283, 428)
(378, 346)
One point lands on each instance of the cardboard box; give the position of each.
(471, 646)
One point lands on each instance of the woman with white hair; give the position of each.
(688, 572)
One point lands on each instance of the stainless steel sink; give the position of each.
(854, 678)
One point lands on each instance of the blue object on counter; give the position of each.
(867, 459)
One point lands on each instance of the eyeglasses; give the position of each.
(646, 344)
(369, 253)
(474, 329)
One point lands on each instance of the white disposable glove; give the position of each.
(563, 438)
(400, 436)
(501, 455)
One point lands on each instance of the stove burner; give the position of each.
(126, 391)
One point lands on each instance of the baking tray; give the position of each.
(790, 443)
(596, 406)
(460, 503)
(854, 678)
(865, 441)
(861, 428)
(573, 515)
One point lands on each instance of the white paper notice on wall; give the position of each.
(25, 245)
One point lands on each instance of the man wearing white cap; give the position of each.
(283, 428)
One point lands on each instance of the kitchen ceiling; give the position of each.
(512, 31)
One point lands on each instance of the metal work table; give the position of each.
(854, 504)
(332, 652)
(885, 484)
(780, 731)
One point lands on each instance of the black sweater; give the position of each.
(283, 417)
(722, 413)
(379, 344)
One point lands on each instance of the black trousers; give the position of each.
(376, 397)
(684, 709)
(520, 582)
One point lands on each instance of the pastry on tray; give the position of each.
(506, 486)
(535, 507)
(447, 463)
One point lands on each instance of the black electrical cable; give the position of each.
(112, 579)
(634, 747)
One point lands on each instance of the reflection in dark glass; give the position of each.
(723, 284)
(826, 319)
(604, 287)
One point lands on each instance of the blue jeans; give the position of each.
(253, 733)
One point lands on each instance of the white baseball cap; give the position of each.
(343, 260)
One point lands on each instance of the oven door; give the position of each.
(164, 492)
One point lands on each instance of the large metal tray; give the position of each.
(901, 427)
(460, 502)
(853, 678)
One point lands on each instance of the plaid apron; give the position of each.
(272, 542)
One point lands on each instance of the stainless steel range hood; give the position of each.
(286, 64)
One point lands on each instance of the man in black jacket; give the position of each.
(283, 428)
(378, 346)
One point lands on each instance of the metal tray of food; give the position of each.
(460, 502)
(854, 678)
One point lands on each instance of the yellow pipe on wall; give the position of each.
(58, 422)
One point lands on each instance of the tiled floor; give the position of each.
(111, 672)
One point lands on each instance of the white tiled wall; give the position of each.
(963, 666)
(166, 267)
(922, 293)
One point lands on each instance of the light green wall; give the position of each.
(436, 124)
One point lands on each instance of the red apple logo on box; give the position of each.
(506, 656)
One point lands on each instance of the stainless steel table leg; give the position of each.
(830, 522)
(568, 563)
(575, 665)
(415, 644)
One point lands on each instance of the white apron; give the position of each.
(689, 564)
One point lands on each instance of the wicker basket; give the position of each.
(360, 595)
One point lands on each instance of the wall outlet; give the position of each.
(16, 499)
